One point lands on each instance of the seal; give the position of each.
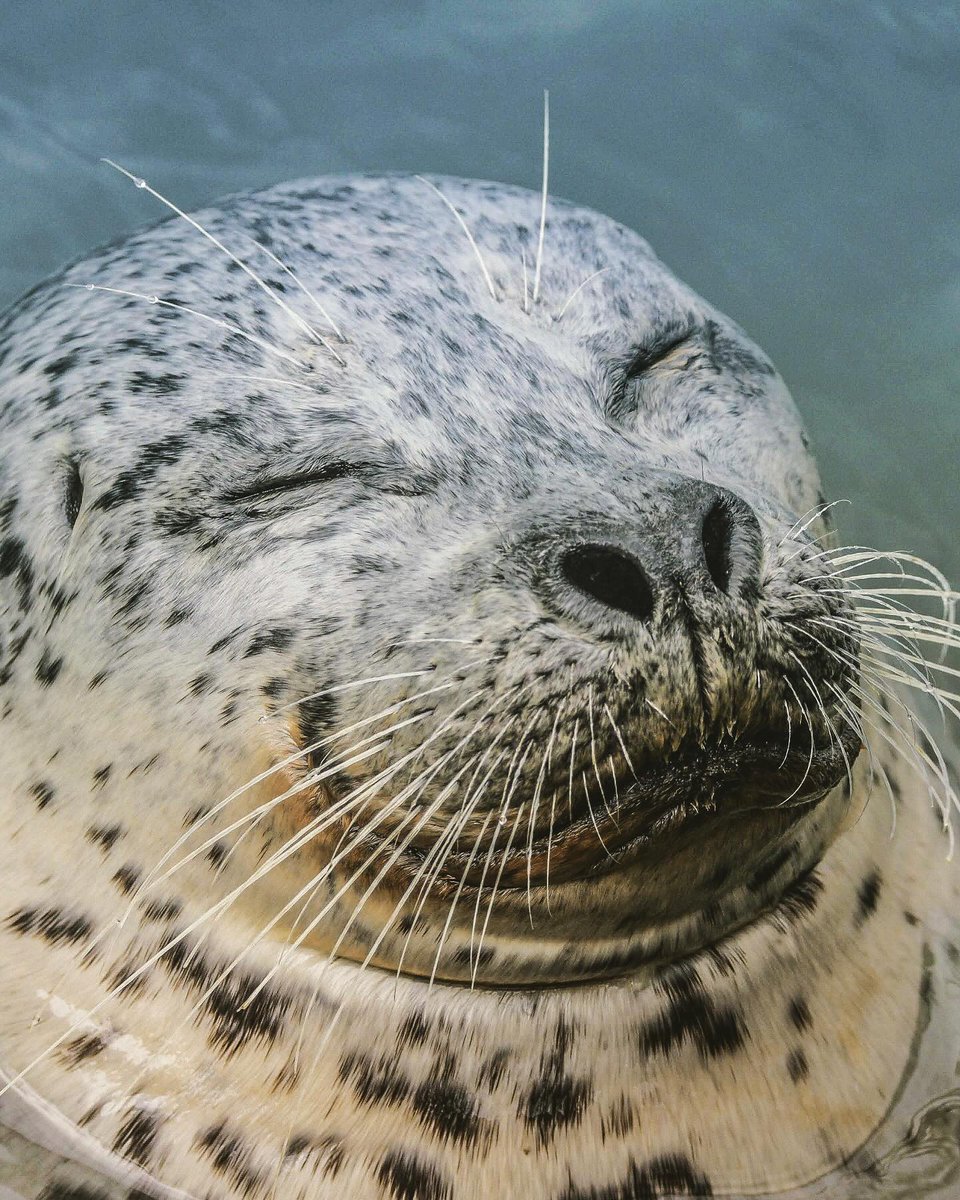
(445, 752)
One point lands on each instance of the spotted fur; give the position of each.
(208, 513)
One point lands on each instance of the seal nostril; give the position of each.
(610, 576)
(717, 535)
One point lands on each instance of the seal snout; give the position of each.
(692, 551)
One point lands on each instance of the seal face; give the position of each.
(425, 688)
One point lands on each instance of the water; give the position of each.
(795, 162)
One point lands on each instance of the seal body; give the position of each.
(437, 760)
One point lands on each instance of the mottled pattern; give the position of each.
(490, 542)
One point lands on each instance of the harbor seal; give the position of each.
(445, 752)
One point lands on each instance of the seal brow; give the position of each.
(653, 351)
(388, 477)
(325, 472)
(642, 358)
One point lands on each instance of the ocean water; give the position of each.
(793, 160)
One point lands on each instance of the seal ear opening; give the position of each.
(73, 492)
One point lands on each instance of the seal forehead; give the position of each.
(446, 355)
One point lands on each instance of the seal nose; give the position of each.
(696, 537)
(611, 576)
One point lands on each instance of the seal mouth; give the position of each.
(680, 798)
(674, 803)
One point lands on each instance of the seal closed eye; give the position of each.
(446, 752)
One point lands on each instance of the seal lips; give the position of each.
(674, 804)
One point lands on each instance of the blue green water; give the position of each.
(796, 162)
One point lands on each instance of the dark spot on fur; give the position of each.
(325, 1153)
(101, 775)
(48, 668)
(58, 367)
(374, 1082)
(236, 1019)
(217, 854)
(691, 1014)
(200, 684)
(663, 1178)
(162, 910)
(408, 1177)
(413, 1031)
(72, 1191)
(493, 1068)
(43, 792)
(230, 1157)
(105, 835)
(54, 925)
(557, 1098)
(127, 878)
(269, 639)
(868, 894)
(480, 958)
(797, 1066)
(799, 900)
(799, 1013)
(763, 874)
(450, 1111)
(137, 1136)
(79, 1049)
(316, 717)
(554, 1102)
(72, 492)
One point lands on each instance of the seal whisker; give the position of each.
(444, 933)
(412, 885)
(593, 753)
(914, 748)
(786, 753)
(262, 284)
(474, 794)
(434, 863)
(506, 796)
(805, 521)
(573, 751)
(593, 817)
(289, 760)
(623, 746)
(543, 195)
(504, 857)
(412, 818)
(303, 288)
(342, 852)
(812, 688)
(544, 764)
(161, 302)
(803, 709)
(577, 290)
(414, 788)
(466, 229)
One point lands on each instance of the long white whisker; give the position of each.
(543, 197)
(264, 287)
(218, 321)
(463, 225)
